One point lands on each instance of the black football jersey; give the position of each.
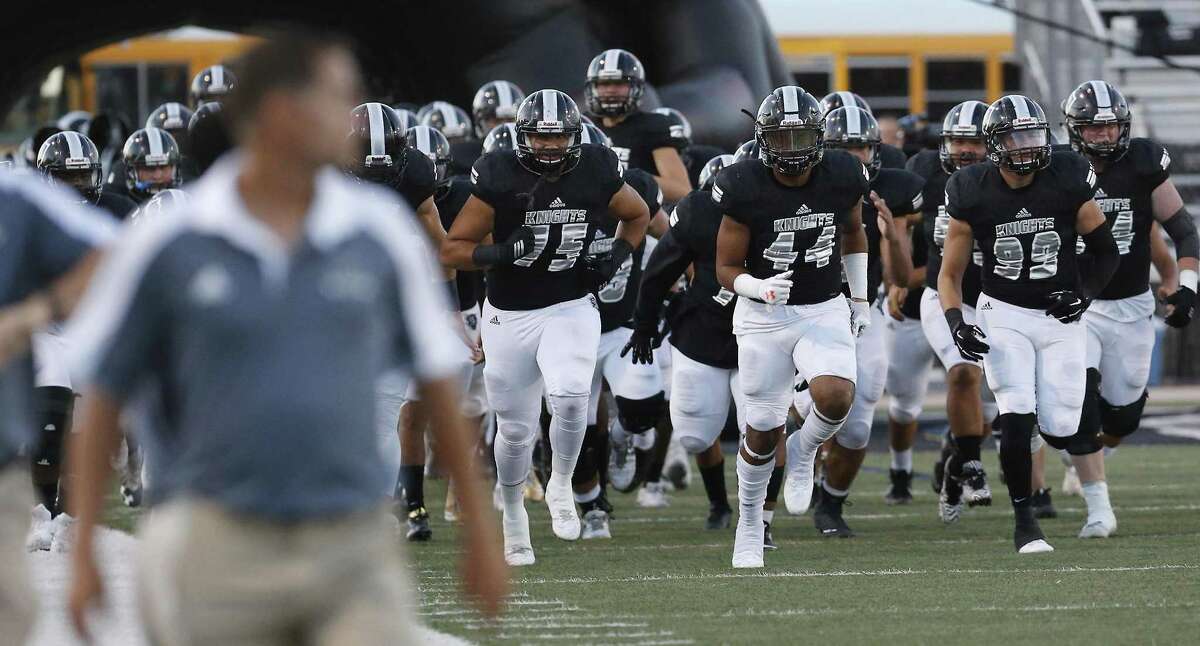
(795, 228)
(935, 222)
(911, 307)
(702, 328)
(901, 191)
(695, 157)
(891, 156)
(618, 297)
(449, 201)
(117, 204)
(417, 182)
(1027, 235)
(635, 139)
(463, 155)
(1123, 192)
(563, 214)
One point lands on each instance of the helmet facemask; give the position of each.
(790, 150)
(1021, 150)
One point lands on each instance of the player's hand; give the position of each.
(895, 300)
(776, 289)
(860, 316)
(519, 243)
(597, 270)
(884, 219)
(1180, 307)
(1067, 306)
(643, 342)
(87, 590)
(969, 339)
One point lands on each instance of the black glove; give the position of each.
(645, 339)
(598, 269)
(1184, 300)
(967, 337)
(1067, 306)
(519, 243)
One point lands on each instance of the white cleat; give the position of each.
(41, 530)
(564, 519)
(518, 550)
(748, 542)
(677, 470)
(64, 534)
(622, 465)
(1038, 546)
(1070, 484)
(518, 555)
(653, 495)
(595, 525)
(798, 486)
(1101, 526)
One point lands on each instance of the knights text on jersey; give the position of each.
(935, 222)
(901, 191)
(1123, 192)
(635, 139)
(1027, 236)
(417, 181)
(702, 329)
(618, 297)
(563, 214)
(796, 228)
(449, 201)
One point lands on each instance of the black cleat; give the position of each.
(719, 517)
(827, 516)
(132, 496)
(768, 540)
(975, 491)
(1043, 507)
(418, 526)
(900, 492)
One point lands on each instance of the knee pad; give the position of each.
(855, 434)
(569, 408)
(692, 444)
(1120, 421)
(640, 415)
(1081, 442)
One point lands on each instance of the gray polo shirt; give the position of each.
(264, 358)
(44, 231)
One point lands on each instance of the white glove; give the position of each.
(860, 317)
(772, 291)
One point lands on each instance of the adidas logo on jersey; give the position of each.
(803, 209)
(1024, 213)
(558, 204)
(986, 306)
(1100, 193)
(495, 320)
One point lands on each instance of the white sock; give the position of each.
(752, 488)
(902, 460)
(1095, 495)
(816, 430)
(644, 441)
(589, 496)
(567, 428)
(768, 516)
(513, 497)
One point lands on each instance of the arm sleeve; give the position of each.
(667, 262)
(1105, 259)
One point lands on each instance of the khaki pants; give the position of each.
(209, 577)
(16, 591)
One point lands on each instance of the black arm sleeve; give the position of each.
(1105, 259)
(667, 263)
(1182, 229)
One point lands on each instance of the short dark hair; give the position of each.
(286, 59)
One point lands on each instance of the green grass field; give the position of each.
(905, 579)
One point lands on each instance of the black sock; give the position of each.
(1015, 457)
(714, 485)
(774, 484)
(968, 447)
(412, 480)
(48, 494)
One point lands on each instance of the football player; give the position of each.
(1026, 207)
(495, 103)
(968, 412)
(174, 118)
(213, 83)
(703, 348)
(542, 204)
(895, 194)
(72, 160)
(695, 156)
(889, 155)
(792, 222)
(616, 81)
(1134, 190)
(208, 135)
(151, 159)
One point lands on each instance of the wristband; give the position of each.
(856, 274)
(748, 286)
(1187, 278)
(954, 317)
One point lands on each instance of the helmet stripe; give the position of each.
(1019, 105)
(966, 115)
(847, 98)
(449, 116)
(1103, 100)
(612, 59)
(512, 131)
(154, 140)
(791, 99)
(853, 122)
(375, 128)
(504, 95)
(218, 77)
(74, 145)
(549, 106)
(423, 143)
(173, 113)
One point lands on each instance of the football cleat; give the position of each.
(1099, 525)
(1070, 484)
(595, 525)
(1038, 546)
(900, 493)
(748, 542)
(131, 495)
(64, 534)
(678, 470)
(41, 530)
(768, 540)
(827, 516)
(653, 495)
(950, 503)
(564, 519)
(719, 517)
(1043, 507)
(975, 491)
(622, 466)
(518, 550)
(1029, 539)
(418, 526)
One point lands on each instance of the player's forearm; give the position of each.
(854, 240)
(674, 188)
(90, 450)
(950, 285)
(667, 263)
(897, 262)
(633, 230)
(916, 278)
(1161, 258)
(1182, 230)
(459, 254)
(1105, 260)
